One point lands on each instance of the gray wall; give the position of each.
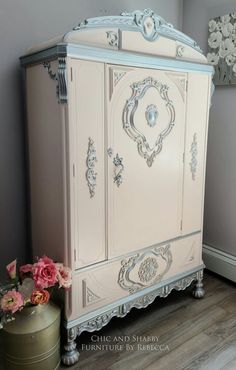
(220, 198)
(22, 24)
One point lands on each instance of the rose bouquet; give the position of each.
(32, 287)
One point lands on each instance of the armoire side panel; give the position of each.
(86, 121)
(195, 151)
(46, 158)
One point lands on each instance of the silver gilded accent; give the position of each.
(91, 159)
(138, 91)
(198, 291)
(62, 80)
(148, 272)
(151, 115)
(118, 162)
(52, 75)
(60, 77)
(71, 355)
(180, 51)
(148, 269)
(194, 152)
(89, 297)
(88, 52)
(118, 76)
(109, 152)
(147, 22)
(113, 38)
(99, 321)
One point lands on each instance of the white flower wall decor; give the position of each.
(222, 48)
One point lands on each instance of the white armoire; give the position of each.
(117, 113)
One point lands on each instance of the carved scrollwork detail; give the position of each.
(97, 322)
(148, 270)
(89, 297)
(119, 168)
(180, 51)
(60, 77)
(62, 80)
(194, 152)
(91, 175)
(52, 75)
(109, 152)
(147, 22)
(118, 76)
(138, 91)
(113, 38)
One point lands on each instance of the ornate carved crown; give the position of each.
(147, 22)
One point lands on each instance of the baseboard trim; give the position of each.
(220, 262)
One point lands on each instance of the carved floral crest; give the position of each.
(142, 270)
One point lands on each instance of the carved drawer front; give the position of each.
(111, 281)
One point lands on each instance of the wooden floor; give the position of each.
(177, 332)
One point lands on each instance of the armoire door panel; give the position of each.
(87, 90)
(146, 125)
(195, 153)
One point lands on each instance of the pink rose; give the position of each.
(44, 273)
(11, 269)
(12, 301)
(26, 268)
(39, 297)
(64, 276)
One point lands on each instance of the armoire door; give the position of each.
(145, 147)
(86, 127)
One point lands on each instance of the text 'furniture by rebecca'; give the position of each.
(117, 114)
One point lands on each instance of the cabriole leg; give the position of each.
(71, 355)
(198, 291)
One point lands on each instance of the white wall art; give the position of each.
(222, 48)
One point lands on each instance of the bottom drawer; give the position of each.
(109, 281)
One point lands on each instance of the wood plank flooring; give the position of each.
(174, 333)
